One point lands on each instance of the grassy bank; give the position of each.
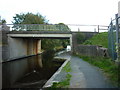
(100, 39)
(65, 83)
(109, 68)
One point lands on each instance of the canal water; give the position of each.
(31, 72)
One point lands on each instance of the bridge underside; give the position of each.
(55, 36)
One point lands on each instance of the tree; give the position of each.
(62, 27)
(28, 18)
(2, 21)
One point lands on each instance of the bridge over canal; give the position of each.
(22, 42)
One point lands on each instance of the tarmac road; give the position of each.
(84, 75)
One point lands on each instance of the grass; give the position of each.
(100, 39)
(67, 67)
(109, 67)
(65, 83)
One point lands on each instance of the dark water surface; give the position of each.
(31, 72)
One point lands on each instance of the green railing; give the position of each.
(58, 27)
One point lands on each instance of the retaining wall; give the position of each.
(91, 50)
(87, 36)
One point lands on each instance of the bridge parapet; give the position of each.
(58, 27)
(40, 32)
(38, 27)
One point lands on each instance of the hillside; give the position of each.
(100, 39)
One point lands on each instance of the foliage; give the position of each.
(62, 27)
(2, 21)
(67, 67)
(28, 18)
(106, 64)
(65, 43)
(80, 37)
(54, 44)
(50, 43)
(100, 39)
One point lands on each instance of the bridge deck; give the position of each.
(40, 34)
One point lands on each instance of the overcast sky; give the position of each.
(66, 11)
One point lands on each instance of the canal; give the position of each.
(31, 72)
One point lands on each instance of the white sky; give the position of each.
(66, 11)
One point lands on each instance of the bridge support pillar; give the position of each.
(39, 47)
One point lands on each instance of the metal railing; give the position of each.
(57, 27)
(114, 38)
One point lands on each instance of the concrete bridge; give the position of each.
(19, 44)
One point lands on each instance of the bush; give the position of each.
(80, 38)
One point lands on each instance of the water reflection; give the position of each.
(29, 72)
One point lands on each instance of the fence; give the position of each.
(114, 39)
(57, 27)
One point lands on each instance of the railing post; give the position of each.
(117, 28)
(98, 29)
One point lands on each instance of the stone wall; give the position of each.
(91, 50)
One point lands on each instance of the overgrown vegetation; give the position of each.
(55, 44)
(65, 83)
(100, 39)
(80, 38)
(109, 67)
(67, 68)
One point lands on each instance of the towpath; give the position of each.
(84, 75)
